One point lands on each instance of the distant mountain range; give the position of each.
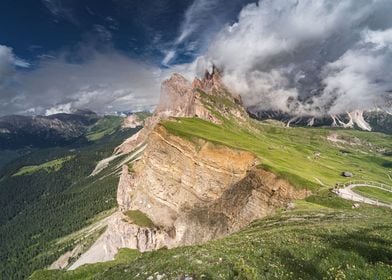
(376, 120)
(44, 131)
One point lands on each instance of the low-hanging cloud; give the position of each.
(308, 57)
(103, 82)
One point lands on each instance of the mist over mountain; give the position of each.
(308, 57)
(299, 57)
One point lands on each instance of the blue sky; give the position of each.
(48, 36)
(146, 29)
(296, 56)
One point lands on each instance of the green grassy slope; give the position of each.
(322, 238)
(304, 156)
(374, 193)
(50, 166)
(40, 207)
(137, 217)
(105, 126)
(310, 242)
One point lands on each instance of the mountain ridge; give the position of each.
(377, 120)
(177, 181)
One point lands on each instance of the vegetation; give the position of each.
(322, 238)
(40, 206)
(105, 126)
(50, 166)
(375, 193)
(303, 156)
(312, 241)
(142, 116)
(139, 218)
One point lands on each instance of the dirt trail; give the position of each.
(349, 194)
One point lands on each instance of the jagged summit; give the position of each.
(182, 98)
(205, 98)
(192, 191)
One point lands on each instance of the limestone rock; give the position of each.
(193, 191)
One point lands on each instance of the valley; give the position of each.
(47, 194)
(202, 177)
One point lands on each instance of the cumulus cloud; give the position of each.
(103, 82)
(361, 77)
(307, 56)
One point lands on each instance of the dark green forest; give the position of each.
(41, 207)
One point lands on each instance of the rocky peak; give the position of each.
(211, 82)
(192, 191)
(205, 98)
(176, 95)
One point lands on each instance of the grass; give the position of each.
(137, 217)
(143, 115)
(87, 271)
(293, 153)
(50, 166)
(309, 242)
(375, 193)
(105, 126)
(321, 238)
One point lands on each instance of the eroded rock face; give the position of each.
(176, 174)
(255, 196)
(200, 191)
(181, 98)
(192, 190)
(121, 234)
(124, 189)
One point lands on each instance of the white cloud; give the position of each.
(168, 57)
(362, 76)
(279, 51)
(104, 82)
(62, 108)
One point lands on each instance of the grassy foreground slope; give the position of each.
(313, 241)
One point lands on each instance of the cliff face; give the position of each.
(191, 189)
(175, 175)
(181, 98)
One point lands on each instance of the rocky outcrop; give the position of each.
(200, 190)
(132, 121)
(124, 190)
(121, 234)
(191, 189)
(202, 98)
(175, 174)
(255, 196)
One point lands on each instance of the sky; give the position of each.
(297, 56)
